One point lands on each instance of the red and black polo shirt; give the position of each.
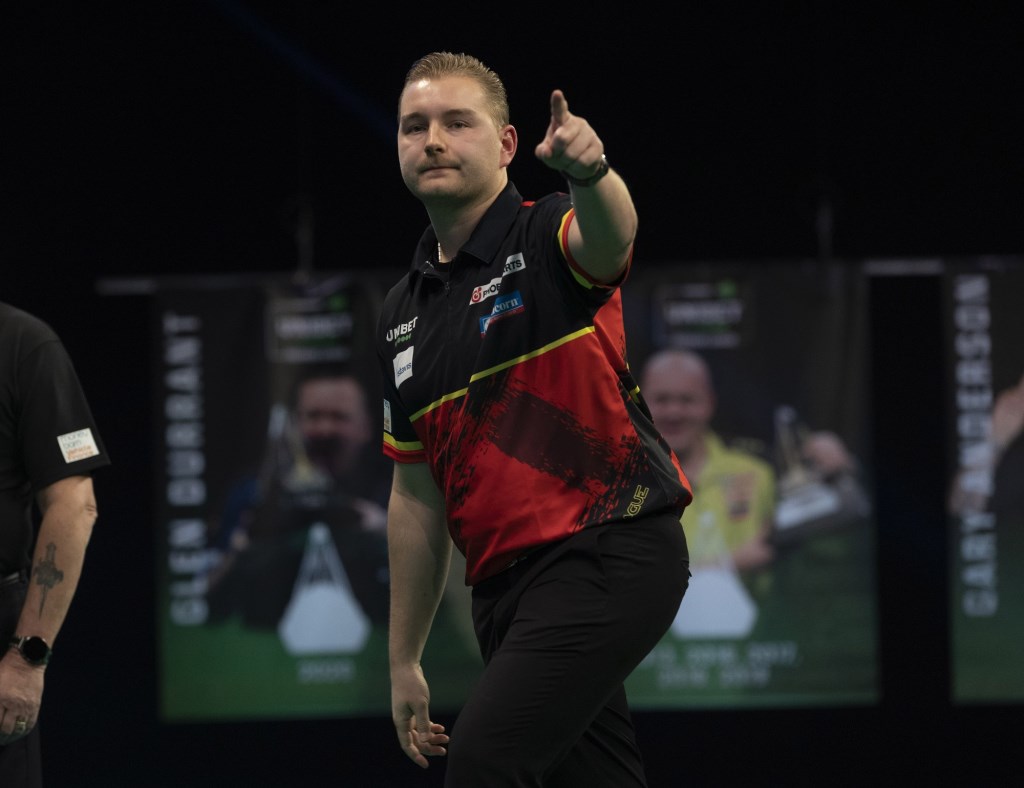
(507, 374)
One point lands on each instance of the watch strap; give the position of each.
(602, 170)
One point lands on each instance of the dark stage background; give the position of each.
(166, 138)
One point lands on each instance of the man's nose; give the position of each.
(435, 138)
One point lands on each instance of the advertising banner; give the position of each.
(984, 310)
(756, 375)
(272, 496)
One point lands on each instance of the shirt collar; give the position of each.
(487, 236)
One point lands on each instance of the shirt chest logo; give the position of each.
(402, 332)
(513, 263)
(504, 306)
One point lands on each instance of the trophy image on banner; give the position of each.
(806, 502)
(323, 615)
(716, 604)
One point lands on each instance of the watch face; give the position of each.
(35, 650)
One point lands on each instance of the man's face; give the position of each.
(678, 392)
(334, 423)
(449, 149)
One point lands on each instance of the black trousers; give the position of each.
(20, 761)
(560, 631)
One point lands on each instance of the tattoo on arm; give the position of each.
(47, 574)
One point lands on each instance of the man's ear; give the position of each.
(509, 144)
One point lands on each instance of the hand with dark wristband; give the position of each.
(602, 170)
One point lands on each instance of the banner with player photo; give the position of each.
(984, 311)
(272, 564)
(757, 376)
(272, 493)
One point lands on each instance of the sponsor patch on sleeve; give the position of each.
(403, 366)
(77, 445)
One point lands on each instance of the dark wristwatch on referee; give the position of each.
(33, 649)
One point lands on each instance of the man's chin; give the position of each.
(441, 183)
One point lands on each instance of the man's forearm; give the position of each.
(69, 512)
(419, 550)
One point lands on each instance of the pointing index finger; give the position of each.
(559, 107)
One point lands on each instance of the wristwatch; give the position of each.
(602, 170)
(33, 649)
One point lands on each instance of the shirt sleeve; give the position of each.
(400, 441)
(57, 433)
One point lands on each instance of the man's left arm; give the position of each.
(601, 237)
(68, 510)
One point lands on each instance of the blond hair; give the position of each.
(446, 64)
